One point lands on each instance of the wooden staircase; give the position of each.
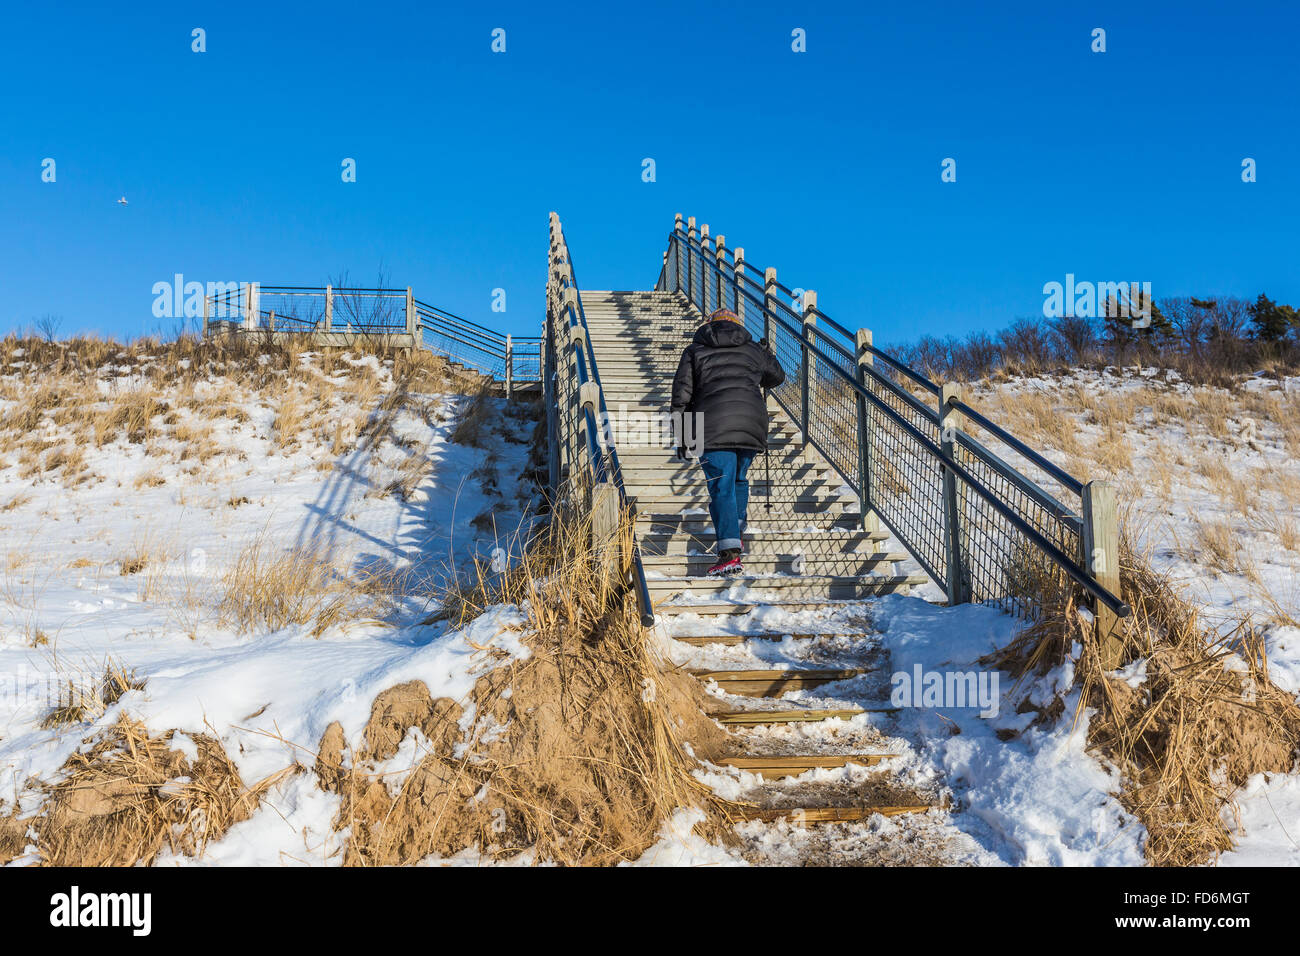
(805, 548)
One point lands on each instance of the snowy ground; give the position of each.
(1212, 484)
(1211, 481)
(131, 565)
(1036, 799)
(134, 573)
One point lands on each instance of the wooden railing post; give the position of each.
(604, 528)
(329, 308)
(205, 316)
(510, 367)
(1101, 558)
(690, 267)
(738, 284)
(706, 266)
(866, 434)
(806, 363)
(720, 255)
(675, 248)
(950, 422)
(251, 318)
(769, 305)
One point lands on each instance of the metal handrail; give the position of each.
(491, 353)
(1063, 477)
(746, 266)
(598, 449)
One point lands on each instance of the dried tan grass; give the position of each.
(82, 704)
(15, 502)
(129, 796)
(1216, 544)
(589, 764)
(156, 392)
(1205, 719)
(269, 587)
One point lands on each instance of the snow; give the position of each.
(1038, 798)
(1266, 829)
(1253, 496)
(679, 845)
(1009, 792)
(67, 611)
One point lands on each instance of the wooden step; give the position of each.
(668, 486)
(799, 503)
(759, 718)
(704, 640)
(770, 768)
(837, 542)
(840, 565)
(716, 608)
(774, 683)
(761, 522)
(807, 585)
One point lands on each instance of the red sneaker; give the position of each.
(728, 564)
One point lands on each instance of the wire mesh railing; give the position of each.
(933, 469)
(252, 307)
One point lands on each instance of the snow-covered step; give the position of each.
(789, 586)
(675, 476)
(774, 683)
(686, 604)
(813, 497)
(786, 447)
(776, 767)
(813, 545)
(791, 715)
(693, 492)
(693, 565)
(831, 814)
(760, 522)
(789, 453)
(704, 640)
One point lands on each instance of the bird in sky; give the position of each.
(122, 201)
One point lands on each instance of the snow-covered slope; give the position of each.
(137, 568)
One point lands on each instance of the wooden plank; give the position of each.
(830, 814)
(792, 765)
(744, 607)
(835, 673)
(756, 717)
(702, 639)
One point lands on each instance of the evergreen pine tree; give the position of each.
(1125, 326)
(1271, 321)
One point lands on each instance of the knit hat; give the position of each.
(724, 315)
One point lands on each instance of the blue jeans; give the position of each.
(725, 471)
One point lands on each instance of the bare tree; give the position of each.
(367, 311)
(48, 325)
(1076, 338)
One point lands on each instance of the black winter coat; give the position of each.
(721, 376)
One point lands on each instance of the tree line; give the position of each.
(1207, 340)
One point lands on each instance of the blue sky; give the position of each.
(1122, 166)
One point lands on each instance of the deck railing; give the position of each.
(936, 471)
(584, 459)
(395, 314)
